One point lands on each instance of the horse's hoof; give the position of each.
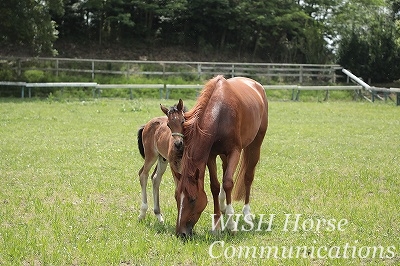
(216, 232)
(248, 218)
(232, 232)
(160, 218)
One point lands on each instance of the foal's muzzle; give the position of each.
(178, 145)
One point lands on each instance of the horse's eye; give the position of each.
(192, 200)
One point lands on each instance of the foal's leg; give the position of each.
(215, 189)
(143, 176)
(232, 162)
(156, 178)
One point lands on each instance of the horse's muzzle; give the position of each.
(185, 232)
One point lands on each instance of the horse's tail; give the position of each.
(140, 141)
(239, 189)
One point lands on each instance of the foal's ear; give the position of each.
(180, 105)
(164, 109)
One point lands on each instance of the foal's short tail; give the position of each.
(140, 141)
(239, 189)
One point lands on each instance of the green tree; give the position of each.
(368, 45)
(28, 24)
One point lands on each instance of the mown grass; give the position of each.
(70, 193)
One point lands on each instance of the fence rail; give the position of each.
(373, 90)
(165, 89)
(162, 87)
(297, 73)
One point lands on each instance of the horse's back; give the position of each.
(154, 125)
(156, 136)
(252, 102)
(238, 110)
(248, 91)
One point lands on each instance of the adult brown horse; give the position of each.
(230, 116)
(160, 140)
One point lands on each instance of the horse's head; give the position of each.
(191, 201)
(175, 123)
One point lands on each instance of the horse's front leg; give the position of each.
(156, 178)
(215, 189)
(232, 162)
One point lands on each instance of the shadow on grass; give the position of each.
(206, 235)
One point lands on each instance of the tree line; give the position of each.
(362, 35)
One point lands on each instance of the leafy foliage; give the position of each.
(363, 35)
(368, 46)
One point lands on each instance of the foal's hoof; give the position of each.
(160, 218)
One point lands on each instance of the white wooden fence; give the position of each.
(374, 90)
(297, 73)
(293, 73)
(165, 89)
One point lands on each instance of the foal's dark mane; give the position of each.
(174, 108)
(194, 135)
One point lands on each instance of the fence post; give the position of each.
(56, 67)
(198, 70)
(301, 75)
(333, 75)
(326, 95)
(92, 70)
(161, 90)
(19, 70)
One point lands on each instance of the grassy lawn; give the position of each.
(70, 193)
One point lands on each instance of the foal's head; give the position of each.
(175, 122)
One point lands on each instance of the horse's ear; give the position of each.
(180, 105)
(164, 109)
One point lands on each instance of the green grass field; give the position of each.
(70, 193)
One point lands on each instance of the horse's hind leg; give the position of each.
(143, 183)
(143, 176)
(222, 195)
(156, 178)
(232, 162)
(252, 155)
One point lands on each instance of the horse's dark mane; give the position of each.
(191, 127)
